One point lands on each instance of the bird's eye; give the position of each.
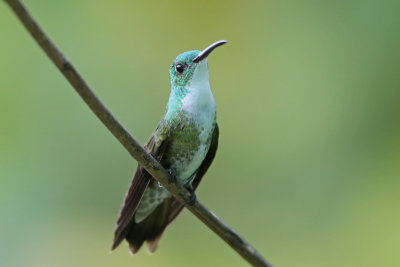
(180, 67)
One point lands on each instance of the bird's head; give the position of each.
(184, 67)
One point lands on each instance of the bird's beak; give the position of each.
(203, 54)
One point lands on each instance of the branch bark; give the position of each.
(243, 248)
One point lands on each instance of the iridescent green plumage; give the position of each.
(185, 142)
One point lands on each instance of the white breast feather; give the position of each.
(200, 105)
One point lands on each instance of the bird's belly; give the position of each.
(186, 151)
(186, 163)
(183, 165)
(189, 148)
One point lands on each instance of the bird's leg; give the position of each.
(172, 176)
(192, 199)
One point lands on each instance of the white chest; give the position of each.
(199, 105)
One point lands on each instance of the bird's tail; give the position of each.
(152, 228)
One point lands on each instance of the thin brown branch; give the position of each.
(130, 144)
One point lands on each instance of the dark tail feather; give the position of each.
(150, 229)
(131, 201)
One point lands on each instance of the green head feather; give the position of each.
(179, 80)
(180, 71)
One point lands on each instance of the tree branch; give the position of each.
(130, 144)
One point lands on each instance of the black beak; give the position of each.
(203, 54)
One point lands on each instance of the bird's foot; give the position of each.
(172, 176)
(192, 199)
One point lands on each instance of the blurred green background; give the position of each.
(308, 97)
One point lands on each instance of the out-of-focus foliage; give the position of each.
(308, 97)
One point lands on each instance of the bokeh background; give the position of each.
(308, 97)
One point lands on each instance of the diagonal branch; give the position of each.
(131, 145)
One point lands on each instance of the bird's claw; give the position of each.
(192, 199)
(172, 176)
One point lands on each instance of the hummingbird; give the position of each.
(184, 142)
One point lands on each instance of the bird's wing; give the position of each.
(155, 146)
(176, 206)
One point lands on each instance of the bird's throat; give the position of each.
(195, 98)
